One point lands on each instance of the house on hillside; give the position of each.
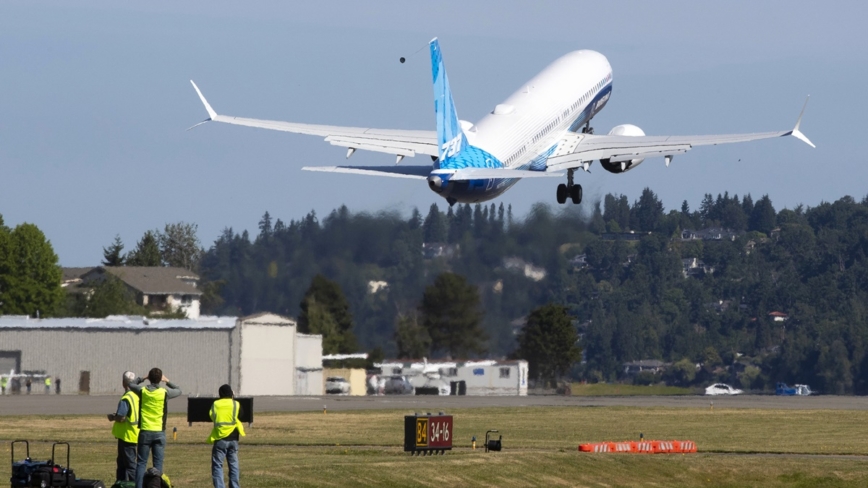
(695, 267)
(431, 250)
(535, 273)
(779, 316)
(709, 234)
(645, 365)
(159, 288)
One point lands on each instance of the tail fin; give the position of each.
(450, 137)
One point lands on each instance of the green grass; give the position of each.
(606, 389)
(738, 447)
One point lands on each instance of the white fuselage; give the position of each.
(525, 129)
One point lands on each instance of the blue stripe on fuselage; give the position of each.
(591, 109)
(474, 191)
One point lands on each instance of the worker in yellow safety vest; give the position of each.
(225, 413)
(3, 383)
(153, 410)
(48, 385)
(126, 430)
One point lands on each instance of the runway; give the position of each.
(87, 405)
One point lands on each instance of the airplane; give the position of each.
(543, 130)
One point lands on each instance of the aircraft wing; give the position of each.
(398, 142)
(415, 172)
(578, 150)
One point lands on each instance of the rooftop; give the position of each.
(155, 280)
(121, 322)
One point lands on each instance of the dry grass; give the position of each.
(363, 448)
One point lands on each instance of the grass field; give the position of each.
(606, 389)
(739, 447)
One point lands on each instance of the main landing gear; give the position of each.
(571, 190)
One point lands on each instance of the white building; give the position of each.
(480, 378)
(261, 354)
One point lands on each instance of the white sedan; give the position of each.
(722, 389)
(337, 385)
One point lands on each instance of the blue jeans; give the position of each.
(229, 450)
(127, 453)
(149, 441)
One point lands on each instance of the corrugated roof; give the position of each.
(117, 322)
(155, 280)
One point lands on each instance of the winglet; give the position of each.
(211, 113)
(796, 132)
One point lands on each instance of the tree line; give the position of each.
(624, 296)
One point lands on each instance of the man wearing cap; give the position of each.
(126, 430)
(153, 410)
(225, 413)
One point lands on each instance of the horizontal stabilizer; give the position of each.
(485, 173)
(415, 172)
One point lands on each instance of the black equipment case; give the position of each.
(22, 471)
(45, 474)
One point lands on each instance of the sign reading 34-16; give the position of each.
(440, 431)
(427, 433)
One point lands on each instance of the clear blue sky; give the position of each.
(94, 102)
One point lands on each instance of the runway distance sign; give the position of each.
(427, 434)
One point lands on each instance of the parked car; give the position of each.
(797, 390)
(722, 389)
(337, 385)
(398, 385)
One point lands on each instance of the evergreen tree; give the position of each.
(415, 219)
(451, 315)
(325, 310)
(179, 246)
(113, 255)
(147, 251)
(265, 226)
(706, 209)
(411, 338)
(434, 227)
(647, 212)
(111, 297)
(29, 273)
(747, 205)
(762, 219)
(279, 226)
(549, 343)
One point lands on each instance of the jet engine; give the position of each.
(622, 166)
(436, 183)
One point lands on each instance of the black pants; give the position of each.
(126, 461)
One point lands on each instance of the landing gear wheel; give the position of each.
(562, 193)
(576, 194)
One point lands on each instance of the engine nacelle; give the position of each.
(436, 183)
(623, 166)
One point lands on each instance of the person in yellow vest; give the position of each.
(126, 430)
(48, 385)
(225, 413)
(153, 409)
(3, 382)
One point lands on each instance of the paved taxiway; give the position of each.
(78, 405)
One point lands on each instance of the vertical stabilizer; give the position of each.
(450, 137)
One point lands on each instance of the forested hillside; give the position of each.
(633, 295)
